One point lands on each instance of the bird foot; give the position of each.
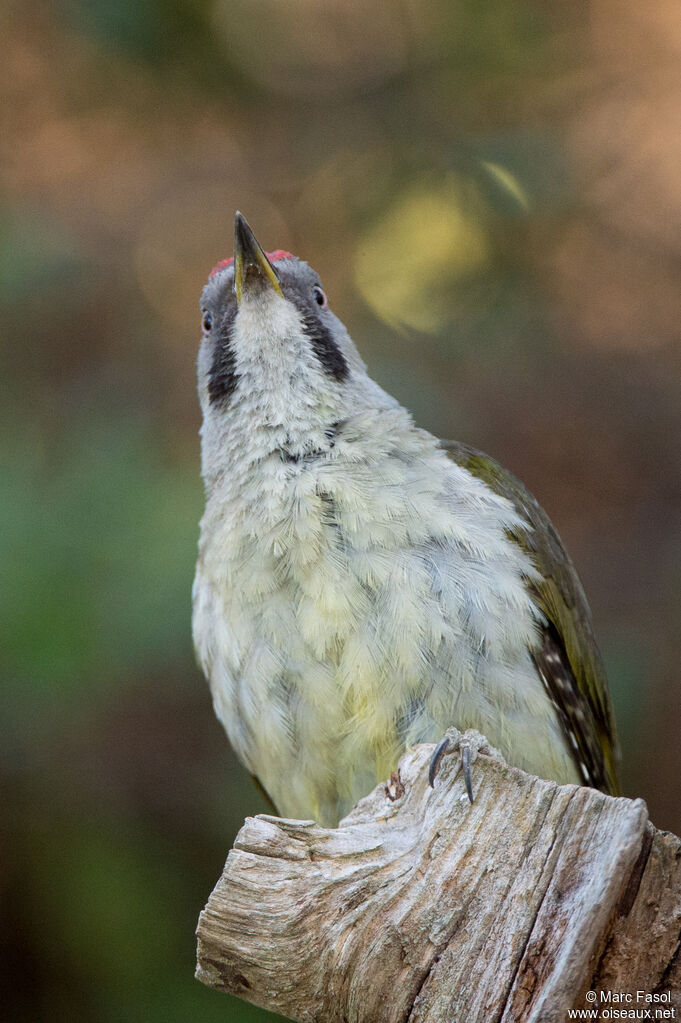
(468, 744)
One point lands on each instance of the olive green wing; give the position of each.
(566, 656)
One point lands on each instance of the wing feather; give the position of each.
(566, 657)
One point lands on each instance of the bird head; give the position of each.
(274, 359)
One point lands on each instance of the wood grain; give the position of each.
(425, 909)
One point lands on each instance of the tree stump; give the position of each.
(422, 908)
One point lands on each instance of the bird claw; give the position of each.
(438, 753)
(466, 768)
(444, 747)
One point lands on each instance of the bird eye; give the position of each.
(319, 296)
(207, 323)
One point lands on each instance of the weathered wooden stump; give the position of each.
(425, 908)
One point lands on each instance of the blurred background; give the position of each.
(492, 195)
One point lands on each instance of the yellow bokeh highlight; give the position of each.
(406, 262)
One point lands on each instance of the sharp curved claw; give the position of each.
(444, 747)
(466, 766)
(438, 753)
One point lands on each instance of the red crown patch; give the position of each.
(273, 257)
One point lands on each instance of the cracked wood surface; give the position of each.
(425, 909)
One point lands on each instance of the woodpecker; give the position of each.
(362, 586)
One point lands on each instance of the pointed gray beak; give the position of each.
(252, 269)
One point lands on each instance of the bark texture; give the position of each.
(420, 908)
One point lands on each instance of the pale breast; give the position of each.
(348, 607)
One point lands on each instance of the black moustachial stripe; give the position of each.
(325, 348)
(222, 379)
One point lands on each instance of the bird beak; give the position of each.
(252, 269)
